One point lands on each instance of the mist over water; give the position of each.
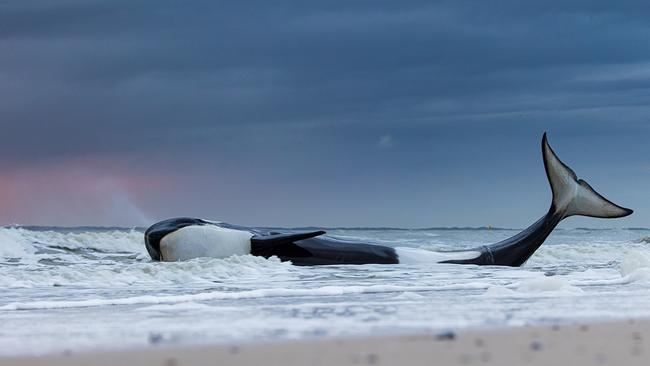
(96, 288)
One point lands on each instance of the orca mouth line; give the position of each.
(186, 238)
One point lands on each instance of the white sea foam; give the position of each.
(634, 261)
(13, 244)
(89, 276)
(645, 239)
(499, 291)
(408, 296)
(183, 306)
(548, 284)
(26, 244)
(222, 295)
(110, 274)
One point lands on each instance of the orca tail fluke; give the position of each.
(573, 196)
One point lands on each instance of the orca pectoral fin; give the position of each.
(280, 239)
(281, 244)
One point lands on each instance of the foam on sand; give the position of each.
(221, 295)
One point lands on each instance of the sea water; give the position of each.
(71, 290)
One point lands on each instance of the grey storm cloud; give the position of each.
(101, 67)
(313, 85)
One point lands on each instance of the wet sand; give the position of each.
(615, 343)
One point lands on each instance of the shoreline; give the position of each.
(625, 342)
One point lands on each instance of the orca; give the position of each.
(186, 238)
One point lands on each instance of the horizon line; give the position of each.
(351, 228)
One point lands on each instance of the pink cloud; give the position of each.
(77, 192)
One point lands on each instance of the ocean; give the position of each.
(83, 289)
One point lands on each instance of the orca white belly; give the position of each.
(407, 255)
(204, 241)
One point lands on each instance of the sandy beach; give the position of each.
(615, 343)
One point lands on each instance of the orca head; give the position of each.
(156, 232)
(187, 238)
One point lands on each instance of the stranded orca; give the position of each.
(185, 238)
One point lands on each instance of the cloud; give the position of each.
(291, 90)
(96, 69)
(73, 193)
(386, 141)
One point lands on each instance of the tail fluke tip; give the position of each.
(573, 196)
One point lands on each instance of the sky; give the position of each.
(319, 113)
